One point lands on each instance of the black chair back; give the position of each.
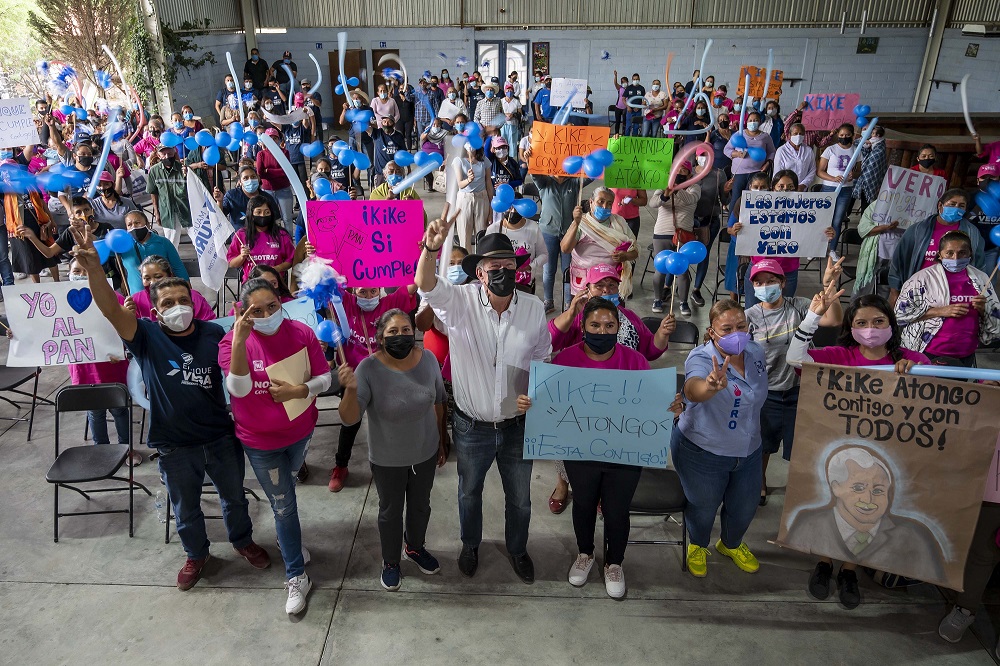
(86, 397)
(659, 492)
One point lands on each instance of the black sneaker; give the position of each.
(468, 561)
(697, 298)
(303, 473)
(685, 309)
(850, 593)
(819, 582)
(426, 562)
(523, 567)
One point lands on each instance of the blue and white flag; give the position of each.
(209, 231)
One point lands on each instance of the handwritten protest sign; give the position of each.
(551, 144)
(757, 76)
(301, 309)
(17, 127)
(642, 164)
(371, 243)
(828, 111)
(617, 416)
(897, 461)
(57, 323)
(785, 224)
(907, 196)
(563, 89)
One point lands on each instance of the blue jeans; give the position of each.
(477, 447)
(549, 275)
(710, 481)
(275, 470)
(841, 210)
(650, 128)
(633, 123)
(183, 470)
(6, 271)
(97, 418)
(750, 299)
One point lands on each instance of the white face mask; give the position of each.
(76, 277)
(368, 304)
(796, 139)
(269, 325)
(177, 318)
(501, 153)
(655, 87)
(702, 159)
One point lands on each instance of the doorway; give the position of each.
(499, 59)
(376, 77)
(355, 65)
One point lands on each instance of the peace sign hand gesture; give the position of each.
(437, 231)
(717, 379)
(822, 301)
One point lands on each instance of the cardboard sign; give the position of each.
(888, 470)
(907, 196)
(564, 89)
(641, 164)
(371, 243)
(785, 224)
(17, 126)
(57, 323)
(617, 416)
(828, 111)
(757, 76)
(551, 144)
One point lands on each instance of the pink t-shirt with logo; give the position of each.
(930, 256)
(266, 249)
(623, 359)
(959, 336)
(262, 423)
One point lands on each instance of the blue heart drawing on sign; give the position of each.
(79, 299)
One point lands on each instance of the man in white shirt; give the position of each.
(494, 334)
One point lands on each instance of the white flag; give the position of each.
(209, 231)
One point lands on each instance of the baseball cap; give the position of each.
(767, 266)
(106, 177)
(597, 273)
(271, 132)
(991, 169)
(499, 141)
(287, 54)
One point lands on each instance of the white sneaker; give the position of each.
(614, 581)
(298, 590)
(580, 570)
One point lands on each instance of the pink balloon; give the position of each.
(690, 153)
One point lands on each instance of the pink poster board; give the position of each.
(371, 243)
(827, 111)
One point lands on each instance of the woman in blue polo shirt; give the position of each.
(716, 445)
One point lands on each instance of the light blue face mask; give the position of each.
(394, 179)
(601, 214)
(459, 127)
(368, 304)
(952, 214)
(768, 293)
(753, 127)
(956, 265)
(614, 298)
(456, 275)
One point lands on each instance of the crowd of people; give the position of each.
(923, 295)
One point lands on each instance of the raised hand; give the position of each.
(438, 230)
(717, 379)
(345, 375)
(242, 326)
(668, 325)
(822, 301)
(833, 270)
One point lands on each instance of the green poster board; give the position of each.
(641, 164)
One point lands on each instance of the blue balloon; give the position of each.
(739, 142)
(340, 145)
(994, 189)
(347, 157)
(437, 158)
(66, 109)
(604, 157)
(362, 161)
(250, 139)
(473, 128)
(80, 113)
(190, 143)
(313, 149)
(592, 167)
(211, 155)
(327, 197)
(223, 139)
(859, 110)
(499, 206)
(353, 81)
(677, 264)
(236, 131)
(204, 138)
(990, 207)
(526, 207)
(572, 164)
(52, 182)
(342, 195)
(325, 331)
(695, 251)
(861, 121)
(170, 140)
(103, 251)
(865, 110)
(422, 158)
(458, 140)
(74, 178)
(403, 158)
(506, 194)
(322, 187)
(475, 141)
(234, 146)
(660, 261)
(757, 154)
(119, 241)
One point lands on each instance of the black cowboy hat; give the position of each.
(492, 246)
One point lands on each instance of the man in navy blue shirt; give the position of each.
(189, 423)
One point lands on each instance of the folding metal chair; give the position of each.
(10, 381)
(659, 493)
(686, 332)
(90, 463)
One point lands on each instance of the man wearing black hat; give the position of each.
(494, 334)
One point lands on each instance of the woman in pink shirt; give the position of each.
(869, 335)
(261, 241)
(154, 268)
(274, 369)
(609, 484)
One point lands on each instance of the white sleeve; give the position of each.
(798, 347)
(239, 385)
(319, 383)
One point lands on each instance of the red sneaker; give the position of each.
(255, 555)
(337, 477)
(190, 573)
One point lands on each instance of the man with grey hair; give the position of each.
(494, 333)
(856, 525)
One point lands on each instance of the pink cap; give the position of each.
(767, 266)
(299, 99)
(991, 169)
(106, 177)
(601, 271)
(499, 141)
(270, 131)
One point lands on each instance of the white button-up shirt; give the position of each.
(490, 353)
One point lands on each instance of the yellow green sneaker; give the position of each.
(742, 556)
(697, 560)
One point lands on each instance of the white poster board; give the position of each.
(785, 224)
(907, 196)
(17, 126)
(562, 90)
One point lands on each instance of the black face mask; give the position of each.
(600, 343)
(501, 281)
(140, 233)
(845, 140)
(169, 162)
(723, 124)
(399, 346)
(260, 220)
(927, 164)
(680, 178)
(85, 160)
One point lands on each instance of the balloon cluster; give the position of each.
(472, 135)
(348, 157)
(669, 262)
(593, 164)
(989, 203)
(59, 83)
(360, 118)
(117, 241)
(70, 110)
(505, 199)
(756, 153)
(390, 73)
(862, 111)
(17, 180)
(324, 190)
(460, 61)
(320, 282)
(103, 79)
(344, 84)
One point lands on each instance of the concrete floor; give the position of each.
(98, 597)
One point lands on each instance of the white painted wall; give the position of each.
(983, 70)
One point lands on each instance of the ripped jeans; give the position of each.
(275, 470)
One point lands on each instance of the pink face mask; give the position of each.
(872, 337)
